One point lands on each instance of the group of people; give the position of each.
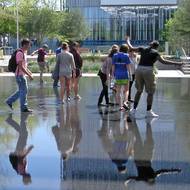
(121, 65)
(67, 70)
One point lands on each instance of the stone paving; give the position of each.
(78, 146)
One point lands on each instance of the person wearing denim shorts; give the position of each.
(20, 75)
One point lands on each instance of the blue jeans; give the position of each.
(20, 93)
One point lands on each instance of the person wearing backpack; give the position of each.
(18, 157)
(20, 75)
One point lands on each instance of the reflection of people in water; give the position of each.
(117, 141)
(143, 152)
(41, 102)
(18, 157)
(67, 132)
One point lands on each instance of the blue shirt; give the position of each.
(121, 60)
(58, 50)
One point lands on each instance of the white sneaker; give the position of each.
(151, 114)
(150, 120)
(61, 101)
(68, 99)
(132, 112)
(77, 97)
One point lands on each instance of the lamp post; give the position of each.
(17, 25)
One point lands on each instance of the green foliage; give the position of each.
(178, 28)
(39, 23)
(38, 18)
(72, 26)
(91, 67)
(91, 57)
(91, 63)
(7, 21)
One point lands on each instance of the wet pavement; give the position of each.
(78, 146)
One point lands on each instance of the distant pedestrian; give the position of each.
(145, 74)
(104, 74)
(55, 73)
(66, 63)
(41, 60)
(74, 49)
(20, 74)
(121, 71)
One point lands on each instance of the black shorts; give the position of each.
(77, 73)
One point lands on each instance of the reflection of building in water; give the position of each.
(110, 20)
(89, 173)
(89, 169)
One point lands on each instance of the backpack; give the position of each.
(13, 158)
(12, 65)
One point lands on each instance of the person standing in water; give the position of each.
(145, 74)
(104, 74)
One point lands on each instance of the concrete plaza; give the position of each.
(78, 146)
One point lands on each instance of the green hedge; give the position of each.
(91, 63)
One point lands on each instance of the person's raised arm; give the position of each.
(167, 171)
(129, 71)
(168, 62)
(130, 46)
(27, 150)
(34, 52)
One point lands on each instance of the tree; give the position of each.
(72, 26)
(178, 28)
(38, 19)
(7, 16)
(39, 23)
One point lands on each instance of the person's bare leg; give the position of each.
(68, 88)
(62, 90)
(41, 76)
(126, 92)
(76, 86)
(72, 85)
(118, 94)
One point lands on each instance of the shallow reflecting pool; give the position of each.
(78, 146)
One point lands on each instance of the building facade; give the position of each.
(110, 20)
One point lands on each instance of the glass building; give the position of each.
(110, 20)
